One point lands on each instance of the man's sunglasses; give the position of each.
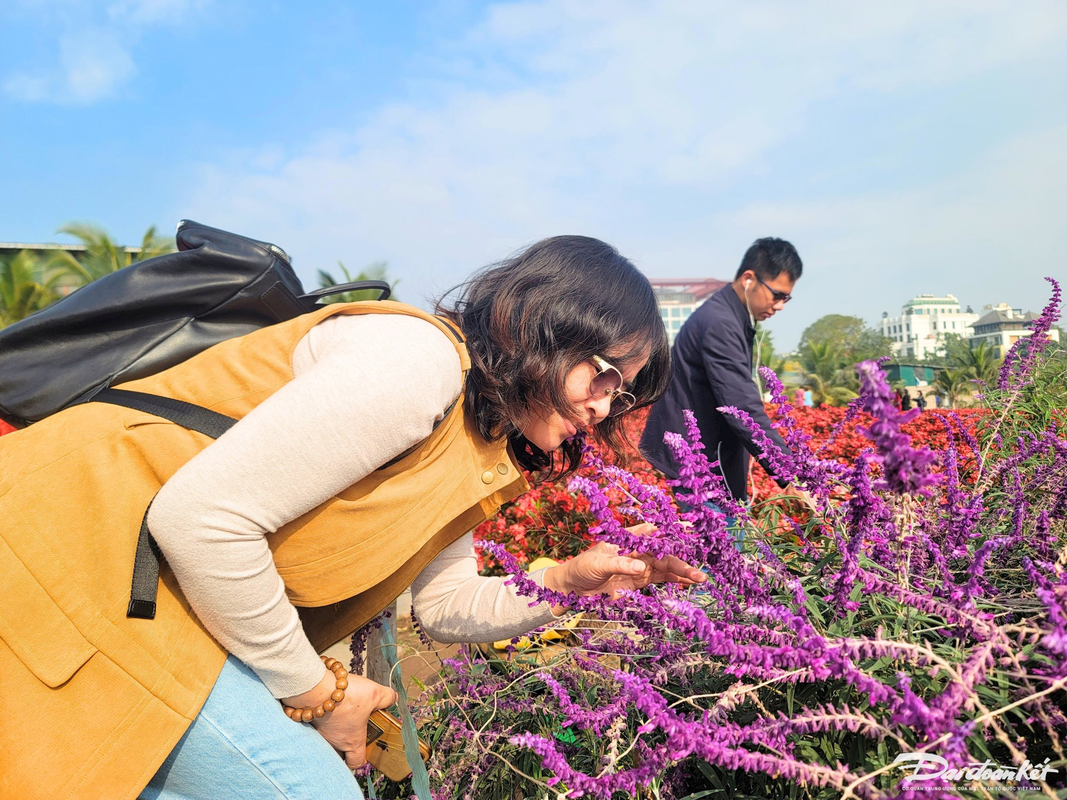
(608, 382)
(777, 297)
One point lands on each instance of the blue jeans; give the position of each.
(242, 745)
(737, 531)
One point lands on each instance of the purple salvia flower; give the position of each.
(1034, 344)
(696, 475)
(358, 644)
(782, 463)
(906, 470)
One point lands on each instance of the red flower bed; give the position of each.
(928, 429)
(551, 521)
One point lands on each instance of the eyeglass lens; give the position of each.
(609, 382)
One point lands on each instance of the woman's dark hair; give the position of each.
(529, 320)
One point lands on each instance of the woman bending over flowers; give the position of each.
(371, 438)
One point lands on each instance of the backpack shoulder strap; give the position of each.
(145, 581)
(194, 417)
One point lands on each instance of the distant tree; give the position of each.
(765, 355)
(953, 350)
(375, 271)
(954, 384)
(980, 363)
(828, 372)
(849, 336)
(102, 255)
(26, 285)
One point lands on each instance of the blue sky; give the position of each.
(903, 147)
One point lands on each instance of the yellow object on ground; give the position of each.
(553, 634)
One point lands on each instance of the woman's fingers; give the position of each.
(345, 727)
(601, 569)
(604, 547)
(670, 570)
(676, 568)
(356, 758)
(623, 565)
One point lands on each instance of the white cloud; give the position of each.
(988, 235)
(27, 88)
(637, 122)
(93, 61)
(92, 66)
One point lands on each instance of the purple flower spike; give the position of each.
(1016, 368)
(906, 469)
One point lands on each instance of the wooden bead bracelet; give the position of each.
(321, 710)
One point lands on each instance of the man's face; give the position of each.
(766, 298)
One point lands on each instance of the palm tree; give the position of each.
(26, 286)
(375, 271)
(825, 370)
(766, 357)
(954, 384)
(102, 254)
(824, 391)
(981, 363)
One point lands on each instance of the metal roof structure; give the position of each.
(14, 247)
(699, 288)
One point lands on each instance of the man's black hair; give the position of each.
(769, 257)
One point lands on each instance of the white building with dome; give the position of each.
(924, 321)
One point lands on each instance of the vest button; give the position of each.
(502, 469)
(487, 477)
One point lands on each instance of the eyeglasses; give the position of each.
(776, 296)
(608, 382)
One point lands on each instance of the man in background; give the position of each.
(712, 366)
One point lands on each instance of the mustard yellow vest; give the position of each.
(91, 702)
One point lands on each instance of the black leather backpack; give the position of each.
(147, 317)
(140, 320)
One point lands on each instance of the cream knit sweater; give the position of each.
(367, 388)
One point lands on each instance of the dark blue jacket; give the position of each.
(712, 367)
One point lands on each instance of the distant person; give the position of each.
(712, 367)
(905, 401)
(937, 401)
(899, 399)
(920, 401)
(809, 398)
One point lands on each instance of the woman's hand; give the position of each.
(602, 570)
(795, 492)
(345, 728)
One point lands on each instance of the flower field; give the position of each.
(551, 520)
(906, 639)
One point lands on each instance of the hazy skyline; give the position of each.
(903, 148)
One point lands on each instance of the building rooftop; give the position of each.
(697, 288)
(14, 247)
(995, 316)
(931, 300)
